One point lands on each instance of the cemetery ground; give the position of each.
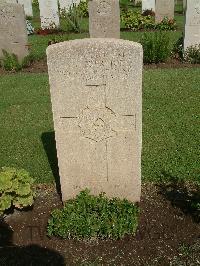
(169, 226)
(169, 222)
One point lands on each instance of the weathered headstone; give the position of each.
(49, 14)
(164, 8)
(192, 25)
(104, 19)
(65, 4)
(10, 1)
(96, 92)
(27, 7)
(13, 34)
(148, 5)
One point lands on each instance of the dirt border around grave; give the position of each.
(166, 224)
(41, 66)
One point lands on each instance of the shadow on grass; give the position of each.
(49, 144)
(33, 255)
(182, 195)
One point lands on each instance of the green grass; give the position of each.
(170, 124)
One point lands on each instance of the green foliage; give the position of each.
(35, 2)
(166, 24)
(124, 4)
(15, 189)
(135, 21)
(156, 46)
(10, 62)
(83, 9)
(73, 19)
(89, 216)
(192, 54)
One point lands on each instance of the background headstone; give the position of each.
(192, 24)
(65, 4)
(49, 14)
(13, 34)
(148, 5)
(164, 8)
(27, 7)
(96, 92)
(10, 1)
(104, 19)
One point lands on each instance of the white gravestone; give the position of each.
(164, 8)
(104, 19)
(148, 5)
(11, 1)
(65, 4)
(96, 92)
(192, 24)
(49, 14)
(27, 7)
(13, 34)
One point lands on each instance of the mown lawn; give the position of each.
(170, 124)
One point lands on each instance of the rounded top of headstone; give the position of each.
(94, 43)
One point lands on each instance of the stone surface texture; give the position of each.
(104, 19)
(65, 4)
(192, 24)
(27, 7)
(96, 92)
(49, 14)
(148, 5)
(13, 34)
(164, 8)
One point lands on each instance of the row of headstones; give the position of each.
(96, 91)
(162, 8)
(48, 10)
(165, 8)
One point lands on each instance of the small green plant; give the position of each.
(83, 9)
(88, 216)
(73, 19)
(10, 62)
(192, 54)
(124, 4)
(16, 189)
(157, 47)
(166, 25)
(135, 21)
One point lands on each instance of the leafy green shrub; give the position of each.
(166, 24)
(135, 21)
(89, 216)
(73, 19)
(156, 46)
(192, 54)
(124, 4)
(83, 9)
(15, 189)
(10, 62)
